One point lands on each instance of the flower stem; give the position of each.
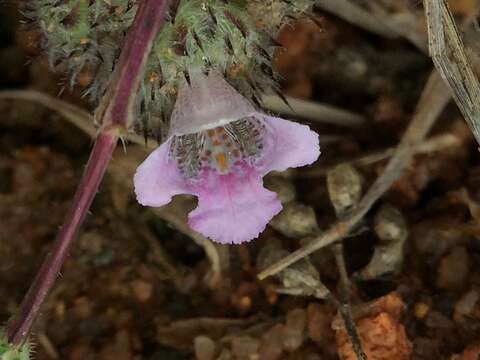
(115, 113)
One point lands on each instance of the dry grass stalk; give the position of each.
(433, 100)
(314, 111)
(377, 21)
(355, 15)
(448, 54)
(433, 144)
(79, 117)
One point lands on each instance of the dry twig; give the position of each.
(83, 120)
(431, 145)
(313, 111)
(79, 117)
(433, 100)
(448, 55)
(75, 114)
(303, 279)
(377, 22)
(175, 214)
(344, 185)
(354, 14)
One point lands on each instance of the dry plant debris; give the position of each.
(432, 102)
(448, 53)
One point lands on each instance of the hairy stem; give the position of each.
(102, 151)
(115, 115)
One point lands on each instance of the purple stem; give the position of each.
(115, 115)
(102, 151)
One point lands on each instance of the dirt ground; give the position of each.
(135, 287)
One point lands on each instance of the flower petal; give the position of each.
(208, 101)
(157, 179)
(233, 208)
(288, 144)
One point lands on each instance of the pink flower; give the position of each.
(219, 149)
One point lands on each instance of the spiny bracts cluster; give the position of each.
(234, 37)
(9, 352)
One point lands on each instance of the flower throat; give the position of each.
(218, 149)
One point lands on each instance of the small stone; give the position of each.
(470, 353)
(226, 354)
(465, 306)
(388, 110)
(312, 356)
(83, 307)
(433, 239)
(245, 303)
(318, 327)
(118, 349)
(421, 310)
(453, 269)
(382, 338)
(381, 333)
(79, 352)
(271, 347)
(91, 243)
(60, 309)
(204, 348)
(245, 348)
(391, 303)
(294, 330)
(436, 320)
(142, 290)
(242, 297)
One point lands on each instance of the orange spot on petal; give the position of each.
(222, 161)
